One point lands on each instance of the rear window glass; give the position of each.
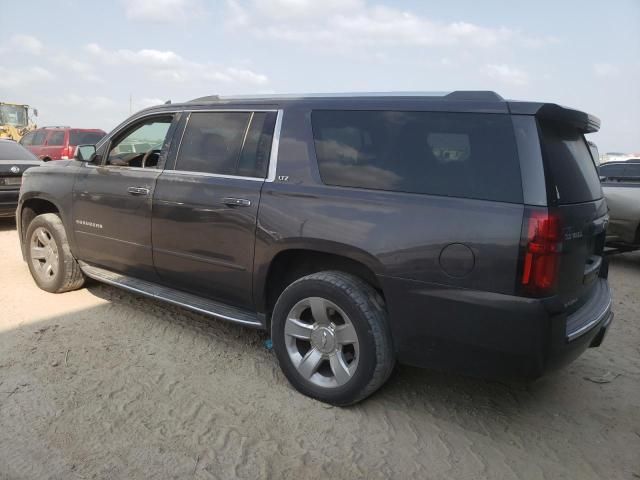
(440, 153)
(84, 138)
(572, 175)
(14, 151)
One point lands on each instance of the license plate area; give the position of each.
(7, 181)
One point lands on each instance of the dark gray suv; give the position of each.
(460, 231)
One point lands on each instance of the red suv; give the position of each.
(59, 143)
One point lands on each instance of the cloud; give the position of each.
(22, 44)
(19, 77)
(352, 23)
(172, 67)
(162, 11)
(606, 70)
(507, 74)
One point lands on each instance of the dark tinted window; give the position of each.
(38, 138)
(84, 138)
(14, 151)
(456, 154)
(27, 139)
(254, 159)
(212, 142)
(56, 139)
(632, 172)
(609, 171)
(573, 175)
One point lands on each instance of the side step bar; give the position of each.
(187, 300)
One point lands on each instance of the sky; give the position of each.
(92, 63)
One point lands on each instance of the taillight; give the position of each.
(540, 258)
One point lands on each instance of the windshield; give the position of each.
(13, 115)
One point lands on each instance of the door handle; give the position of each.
(138, 190)
(236, 202)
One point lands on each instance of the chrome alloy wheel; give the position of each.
(44, 253)
(322, 342)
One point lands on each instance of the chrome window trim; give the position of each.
(206, 174)
(273, 157)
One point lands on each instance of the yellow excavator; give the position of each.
(16, 120)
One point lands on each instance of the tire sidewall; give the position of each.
(54, 284)
(305, 288)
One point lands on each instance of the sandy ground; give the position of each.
(100, 383)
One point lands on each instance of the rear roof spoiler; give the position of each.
(552, 112)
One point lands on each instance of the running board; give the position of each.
(159, 292)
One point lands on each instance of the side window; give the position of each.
(140, 145)
(38, 138)
(632, 173)
(212, 142)
(612, 172)
(27, 139)
(56, 138)
(254, 159)
(467, 155)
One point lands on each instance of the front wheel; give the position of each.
(331, 337)
(51, 263)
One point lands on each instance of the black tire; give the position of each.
(366, 311)
(68, 275)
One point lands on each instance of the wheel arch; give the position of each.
(30, 208)
(295, 260)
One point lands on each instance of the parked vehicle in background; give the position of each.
(59, 143)
(455, 231)
(14, 161)
(621, 187)
(15, 120)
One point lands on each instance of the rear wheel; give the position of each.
(331, 337)
(51, 264)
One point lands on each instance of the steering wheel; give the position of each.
(147, 155)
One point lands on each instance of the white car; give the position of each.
(621, 187)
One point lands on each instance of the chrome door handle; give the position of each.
(138, 190)
(236, 202)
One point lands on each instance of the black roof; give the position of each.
(458, 101)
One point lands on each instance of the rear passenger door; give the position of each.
(205, 207)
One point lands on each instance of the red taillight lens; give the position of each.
(542, 243)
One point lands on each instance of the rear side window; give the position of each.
(56, 139)
(573, 177)
(38, 138)
(615, 171)
(77, 137)
(440, 153)
(254, 159)
(227, 143)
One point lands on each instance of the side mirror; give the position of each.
(85, 153)
(35, 112)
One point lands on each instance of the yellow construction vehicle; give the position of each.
(16, 120)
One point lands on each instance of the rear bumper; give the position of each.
(489, 334)
(8, 202)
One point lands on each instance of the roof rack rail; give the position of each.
(55, 126)
(470, 95)
(475, 95)
(207, 98)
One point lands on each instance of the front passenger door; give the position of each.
(112, 200)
